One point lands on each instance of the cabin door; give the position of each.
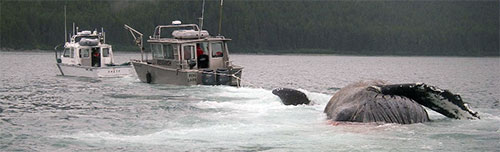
(202, 55)
(96, 57)
(189, 55)
(216, 55)
(106, 56)
(85, 57)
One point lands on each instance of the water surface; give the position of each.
(41, 111)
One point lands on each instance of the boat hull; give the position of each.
(158, 74)
(94, 72)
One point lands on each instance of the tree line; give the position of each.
(454, 28)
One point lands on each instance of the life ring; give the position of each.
(148, 77)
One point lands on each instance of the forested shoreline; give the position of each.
(443, 28)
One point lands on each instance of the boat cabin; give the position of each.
(87, 48)
(188, 47)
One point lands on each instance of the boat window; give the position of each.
(85, 53)
(217, 49)
(105, 52)
(169, 51)
(188, 51)
(66, 52)
(156, 51)
(176, 52)
(72, 53)
(202, 48)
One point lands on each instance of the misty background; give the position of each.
(444, 28)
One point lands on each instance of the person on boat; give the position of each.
(199, 51)
(95, 58)
(202, 58)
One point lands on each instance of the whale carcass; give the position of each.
(376, 101)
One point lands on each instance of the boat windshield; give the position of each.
(217, 49)
(189, 52)
(105, 52)
(68, 52)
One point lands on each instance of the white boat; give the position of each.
(87, 55)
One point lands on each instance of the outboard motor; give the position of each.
(223, 77)
(208, 77)
(203, 61)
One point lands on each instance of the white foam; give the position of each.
(249, 114)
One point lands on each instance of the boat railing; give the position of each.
(57, 52)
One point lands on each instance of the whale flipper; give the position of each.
(291, 96)
(442, 101)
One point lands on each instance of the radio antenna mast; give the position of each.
(201, 19)
(65, 29)
(220, 16)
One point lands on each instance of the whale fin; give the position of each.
(442, 101)
(291, 96)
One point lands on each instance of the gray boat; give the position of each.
(184, 54)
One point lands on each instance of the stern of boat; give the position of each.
(236, 72)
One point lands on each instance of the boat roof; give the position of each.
(156, 38)
(77, 45)
(179, 41)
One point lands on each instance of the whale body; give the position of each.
(376, 101)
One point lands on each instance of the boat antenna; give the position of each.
(220, 16)
(73, 29)
(201, 19)
(65, 30)
(103, 35)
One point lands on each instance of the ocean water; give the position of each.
(42, 111)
